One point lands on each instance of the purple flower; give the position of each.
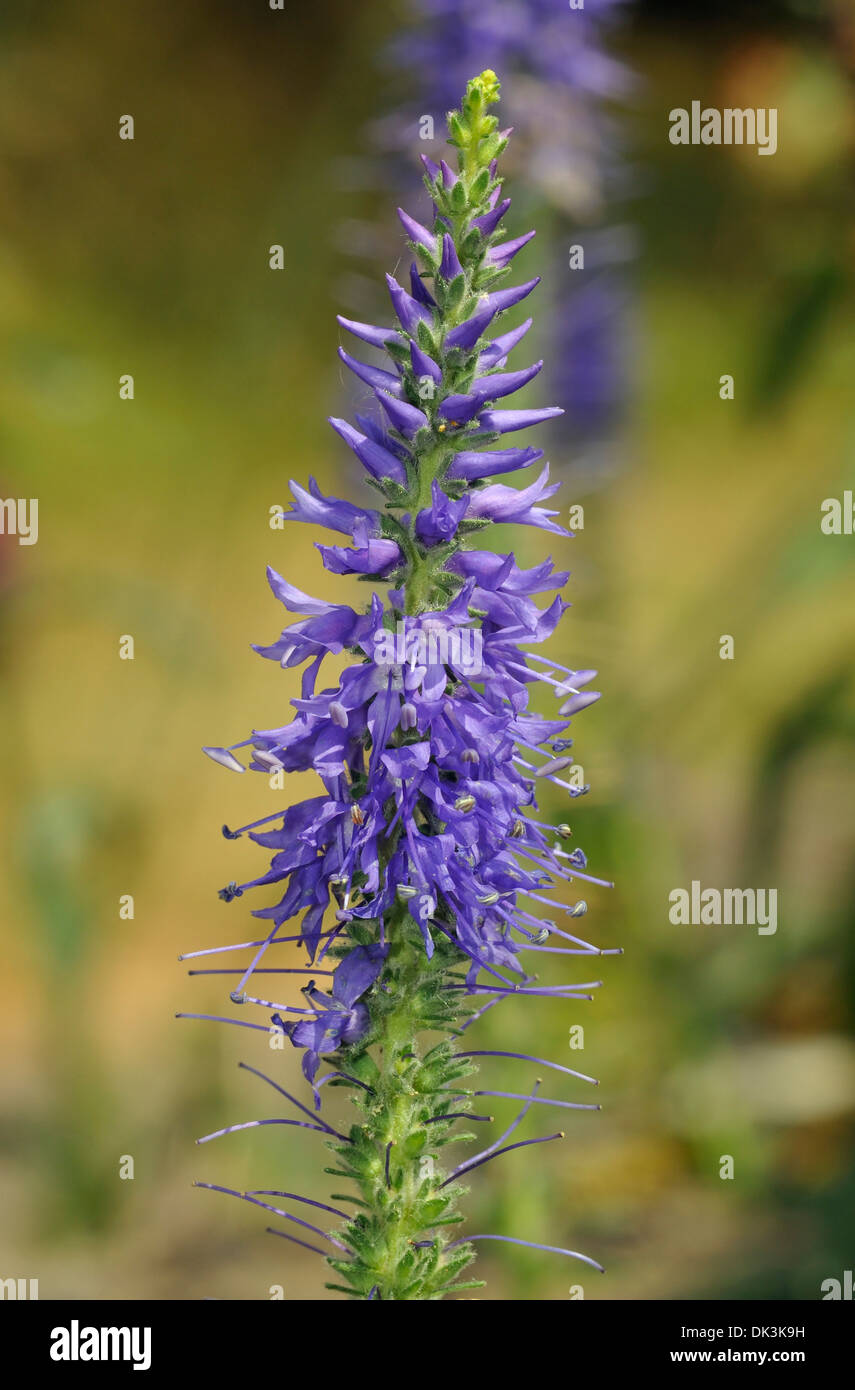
(341, 1018)
(419, 871)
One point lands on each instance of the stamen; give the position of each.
(539, 1100)
(538, 1061)
(285, 1236)
(277, 1211)
(215, 1018)
(514, 1125)
(531, 1245)
(254, 1124)
(335, 1075)
(266, 970)
(520, 1144)
(235, 834)
(244, 1066)
(292, 1196)
(226, 758)
(478, 1014)
(458, 1115)
(247, 945)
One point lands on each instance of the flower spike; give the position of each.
(408, 876)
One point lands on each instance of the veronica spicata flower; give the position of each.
(419, 874)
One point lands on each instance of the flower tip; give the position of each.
(486, 86)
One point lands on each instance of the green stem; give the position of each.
(405, 1200)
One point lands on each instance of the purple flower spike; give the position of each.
(414, 872)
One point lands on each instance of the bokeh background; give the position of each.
(151, 258)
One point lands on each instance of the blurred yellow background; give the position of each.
(151, 257)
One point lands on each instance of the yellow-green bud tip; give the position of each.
(486, 86)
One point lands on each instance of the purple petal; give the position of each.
(372, 376)
(424, 366)
(405, 417)
(500, 300)
(450, 266)
(504, 421)
(466, 334)
(490, 220)
(410, 312)
(495, 352)
(472, 464)
(368, 332)
(504, 253)
(379, 462)
(416, 232)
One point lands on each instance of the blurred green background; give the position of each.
(151, 258)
